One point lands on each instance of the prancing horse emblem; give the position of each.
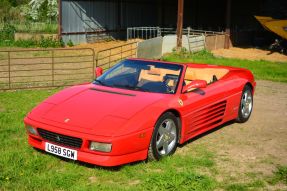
(180, 102)
(58, 138)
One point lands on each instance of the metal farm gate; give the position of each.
(38, 68)
(197, 39)
(109, 57)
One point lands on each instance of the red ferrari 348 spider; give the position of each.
(138, 110)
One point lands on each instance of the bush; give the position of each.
(36, 27)
(70, 43)
(7, 33)
(50, 42)
(25, 43)
(280, 175)
(183, 53)
(32, 43)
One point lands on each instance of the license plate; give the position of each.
(61, 151)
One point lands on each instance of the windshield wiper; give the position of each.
(136, 88)
(100, 82)
(141, 89)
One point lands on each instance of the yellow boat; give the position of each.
(277, 26)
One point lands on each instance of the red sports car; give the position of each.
(138, 110)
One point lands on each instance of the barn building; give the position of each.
(88, 20)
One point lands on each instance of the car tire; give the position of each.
(165, 137)
(246, 105)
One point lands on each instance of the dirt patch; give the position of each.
(93, 179)
(250, 54)
(254, 149)
(2, 109)
(105, 45)
(134, 182)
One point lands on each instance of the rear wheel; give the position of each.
(165, 137)
(246, 105)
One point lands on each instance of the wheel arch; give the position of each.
(250, 85)
(240, 118)
(151, 154)
(178, 116)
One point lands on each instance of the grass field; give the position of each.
(263, 70)
(24, 168)
(193, 167)
(36, 27)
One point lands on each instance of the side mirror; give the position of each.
(194, 85)
(98, 71)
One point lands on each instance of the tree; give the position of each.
(15, 3)
(4, 9)
(43, 9)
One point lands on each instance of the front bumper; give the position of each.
(125, 149)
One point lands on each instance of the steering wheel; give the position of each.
(165, 82)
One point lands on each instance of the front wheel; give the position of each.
(246, 105)
(165, 137)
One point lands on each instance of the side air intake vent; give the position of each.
(209, 116)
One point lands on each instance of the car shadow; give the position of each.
(118, 168)
(207, 133)
(88, 165)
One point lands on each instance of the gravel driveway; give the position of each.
(254, 149)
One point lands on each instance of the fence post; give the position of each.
(189, 40)
(53, 77)
(121, 52)
(215, 44)
(9, 70)
(204, 38)
(97, 62)
(93, 51)
(110, 58)
(158, 32)
(137, 32)
(134, 33)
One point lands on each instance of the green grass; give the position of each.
(255, 185)
(280, 175)
(34, 27)
(7, 33)
(262, 70)
(32, 43)
(24, 168)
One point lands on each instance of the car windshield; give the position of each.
(142, 76)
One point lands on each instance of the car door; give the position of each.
(203, 108)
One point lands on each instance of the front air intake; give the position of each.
(63, 140)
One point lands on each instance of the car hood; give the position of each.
(90, 107)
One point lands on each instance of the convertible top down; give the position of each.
(138, 110)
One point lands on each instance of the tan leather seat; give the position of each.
(153, 74)
(203, 74)
(156, 74)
